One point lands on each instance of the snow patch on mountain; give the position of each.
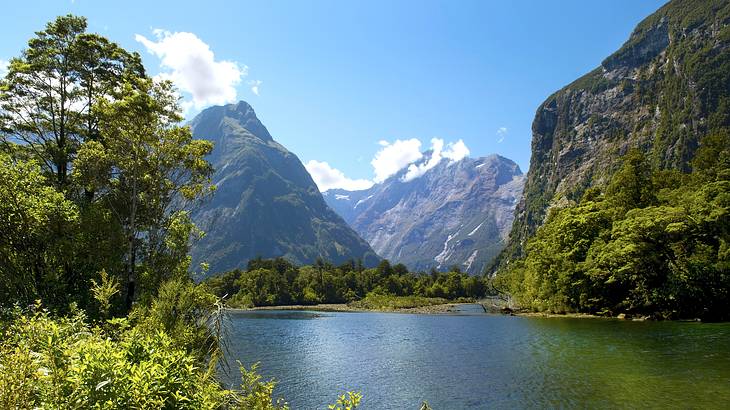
(362, 201)
(476, 229)
(467, 264)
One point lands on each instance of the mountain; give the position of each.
(266, 204)
(456, 213)
(665, 89)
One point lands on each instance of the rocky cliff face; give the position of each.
(666, 88)
(457, 213)
(266, 204)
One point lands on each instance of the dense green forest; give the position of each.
(652, 242)
(97, 309)
(270, 282)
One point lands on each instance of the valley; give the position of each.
(161, 249)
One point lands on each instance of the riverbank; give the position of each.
(560, 315)
(442, 308)
(496, 304)
(445, 308)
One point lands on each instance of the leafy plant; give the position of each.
(346, 401)
(104, 291)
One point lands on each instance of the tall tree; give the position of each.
(147, 171)
(48, 94)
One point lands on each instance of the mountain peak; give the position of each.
(265, 204)
(214, 120)
(454, 212)
(240, 109)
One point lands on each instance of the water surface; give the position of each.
(477, 361)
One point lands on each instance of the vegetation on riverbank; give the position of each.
(602, 230)
(390, 303)
(277, 282)
(653, 242)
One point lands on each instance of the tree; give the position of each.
(48, 95)
(632, 187)
(32, 251)
(147, 170)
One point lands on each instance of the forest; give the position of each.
(273, 282)
(653, 243)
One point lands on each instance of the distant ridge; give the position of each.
(457, 213)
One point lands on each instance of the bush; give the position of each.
(386, 302)
(66, 363)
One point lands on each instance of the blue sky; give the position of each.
(338, 80)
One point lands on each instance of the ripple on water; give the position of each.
(484, 361)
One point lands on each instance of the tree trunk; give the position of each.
(129, 299)
(132, 247)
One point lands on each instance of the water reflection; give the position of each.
(485, 361)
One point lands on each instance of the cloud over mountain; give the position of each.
(327, 177)
(395, 156)
(388, 161)
(191, 65)
(455, 151)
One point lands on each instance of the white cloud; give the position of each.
(191, 65)
(501, 134)
(4, 67)
(327, 177)
(255, 86)
(390, 159)
(455, 151)
(395, 156)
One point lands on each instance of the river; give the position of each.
(477, 361)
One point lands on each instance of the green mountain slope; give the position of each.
(266, 204)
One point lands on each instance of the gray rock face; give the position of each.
(266, 204)
(457, 213)
(661, 92)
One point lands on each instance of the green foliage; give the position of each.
(387, 302)
(655, 243)
(632, 186)
(143, 169)
(256, 394)
(48, 96)
(35, 221)
(347, 401)
(96, 176)
(104, 291)
(278, 282)
(97, 173)
(189, 314)
(679, 62)
(65, 363)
